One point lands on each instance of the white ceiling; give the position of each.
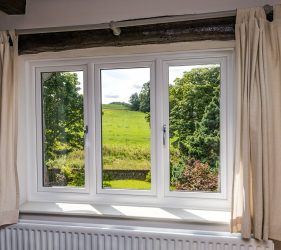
(57, 13)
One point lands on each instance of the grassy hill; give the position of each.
(123, 127)
(116, 106)
(125, 138)
(126, 143)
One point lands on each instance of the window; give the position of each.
(125, 129)
(149, 129)
(62, 129)
(194, 127)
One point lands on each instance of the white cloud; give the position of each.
(112, 96)
(122, 83)
(178, 71)
(119, 84)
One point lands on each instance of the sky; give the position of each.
(118, 85)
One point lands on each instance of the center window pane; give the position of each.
(126, 128)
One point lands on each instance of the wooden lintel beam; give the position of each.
(13, 7)
(196, 30)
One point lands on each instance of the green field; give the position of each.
(125, 138)
(132, 184)
(123, 127)
(126, 143)
(115, 106)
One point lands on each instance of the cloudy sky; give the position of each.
(119, 84)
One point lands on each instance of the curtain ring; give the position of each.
(10, 41)
(268, 9)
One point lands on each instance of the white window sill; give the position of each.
(127, 212)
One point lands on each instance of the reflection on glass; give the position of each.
(194, 127)
(126, 128)
(63, 136)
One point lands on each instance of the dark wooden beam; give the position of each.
(13, 7)
(196, 30)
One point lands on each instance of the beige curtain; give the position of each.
(257, 176)
(8, 173)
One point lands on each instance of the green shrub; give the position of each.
(67, 169)
(176, 170)
(126, 152)
(148, 177)
(106, 178)
(126, 157)
(197, 176)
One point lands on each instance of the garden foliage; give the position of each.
(194, 129)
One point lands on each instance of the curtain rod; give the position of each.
(116, 25)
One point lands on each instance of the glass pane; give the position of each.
(63, 136)
(194, 127)
(126, 128)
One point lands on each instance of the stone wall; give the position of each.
(125, 174)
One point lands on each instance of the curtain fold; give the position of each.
(257, 172)
(9, 194)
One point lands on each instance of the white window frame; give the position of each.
(223, 126)
(98, 125)
(39, 125)
(159, 194)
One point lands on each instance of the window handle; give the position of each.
(86, 130)
(164, 129)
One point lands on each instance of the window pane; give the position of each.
(63, 136)
(126, 128)
(194, 128)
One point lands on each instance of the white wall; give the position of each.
(56, 13)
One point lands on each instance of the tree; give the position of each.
(204, 144)
(141, 101)
(194, 114)
(63, 113)
(144, 98)
(135, 102)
